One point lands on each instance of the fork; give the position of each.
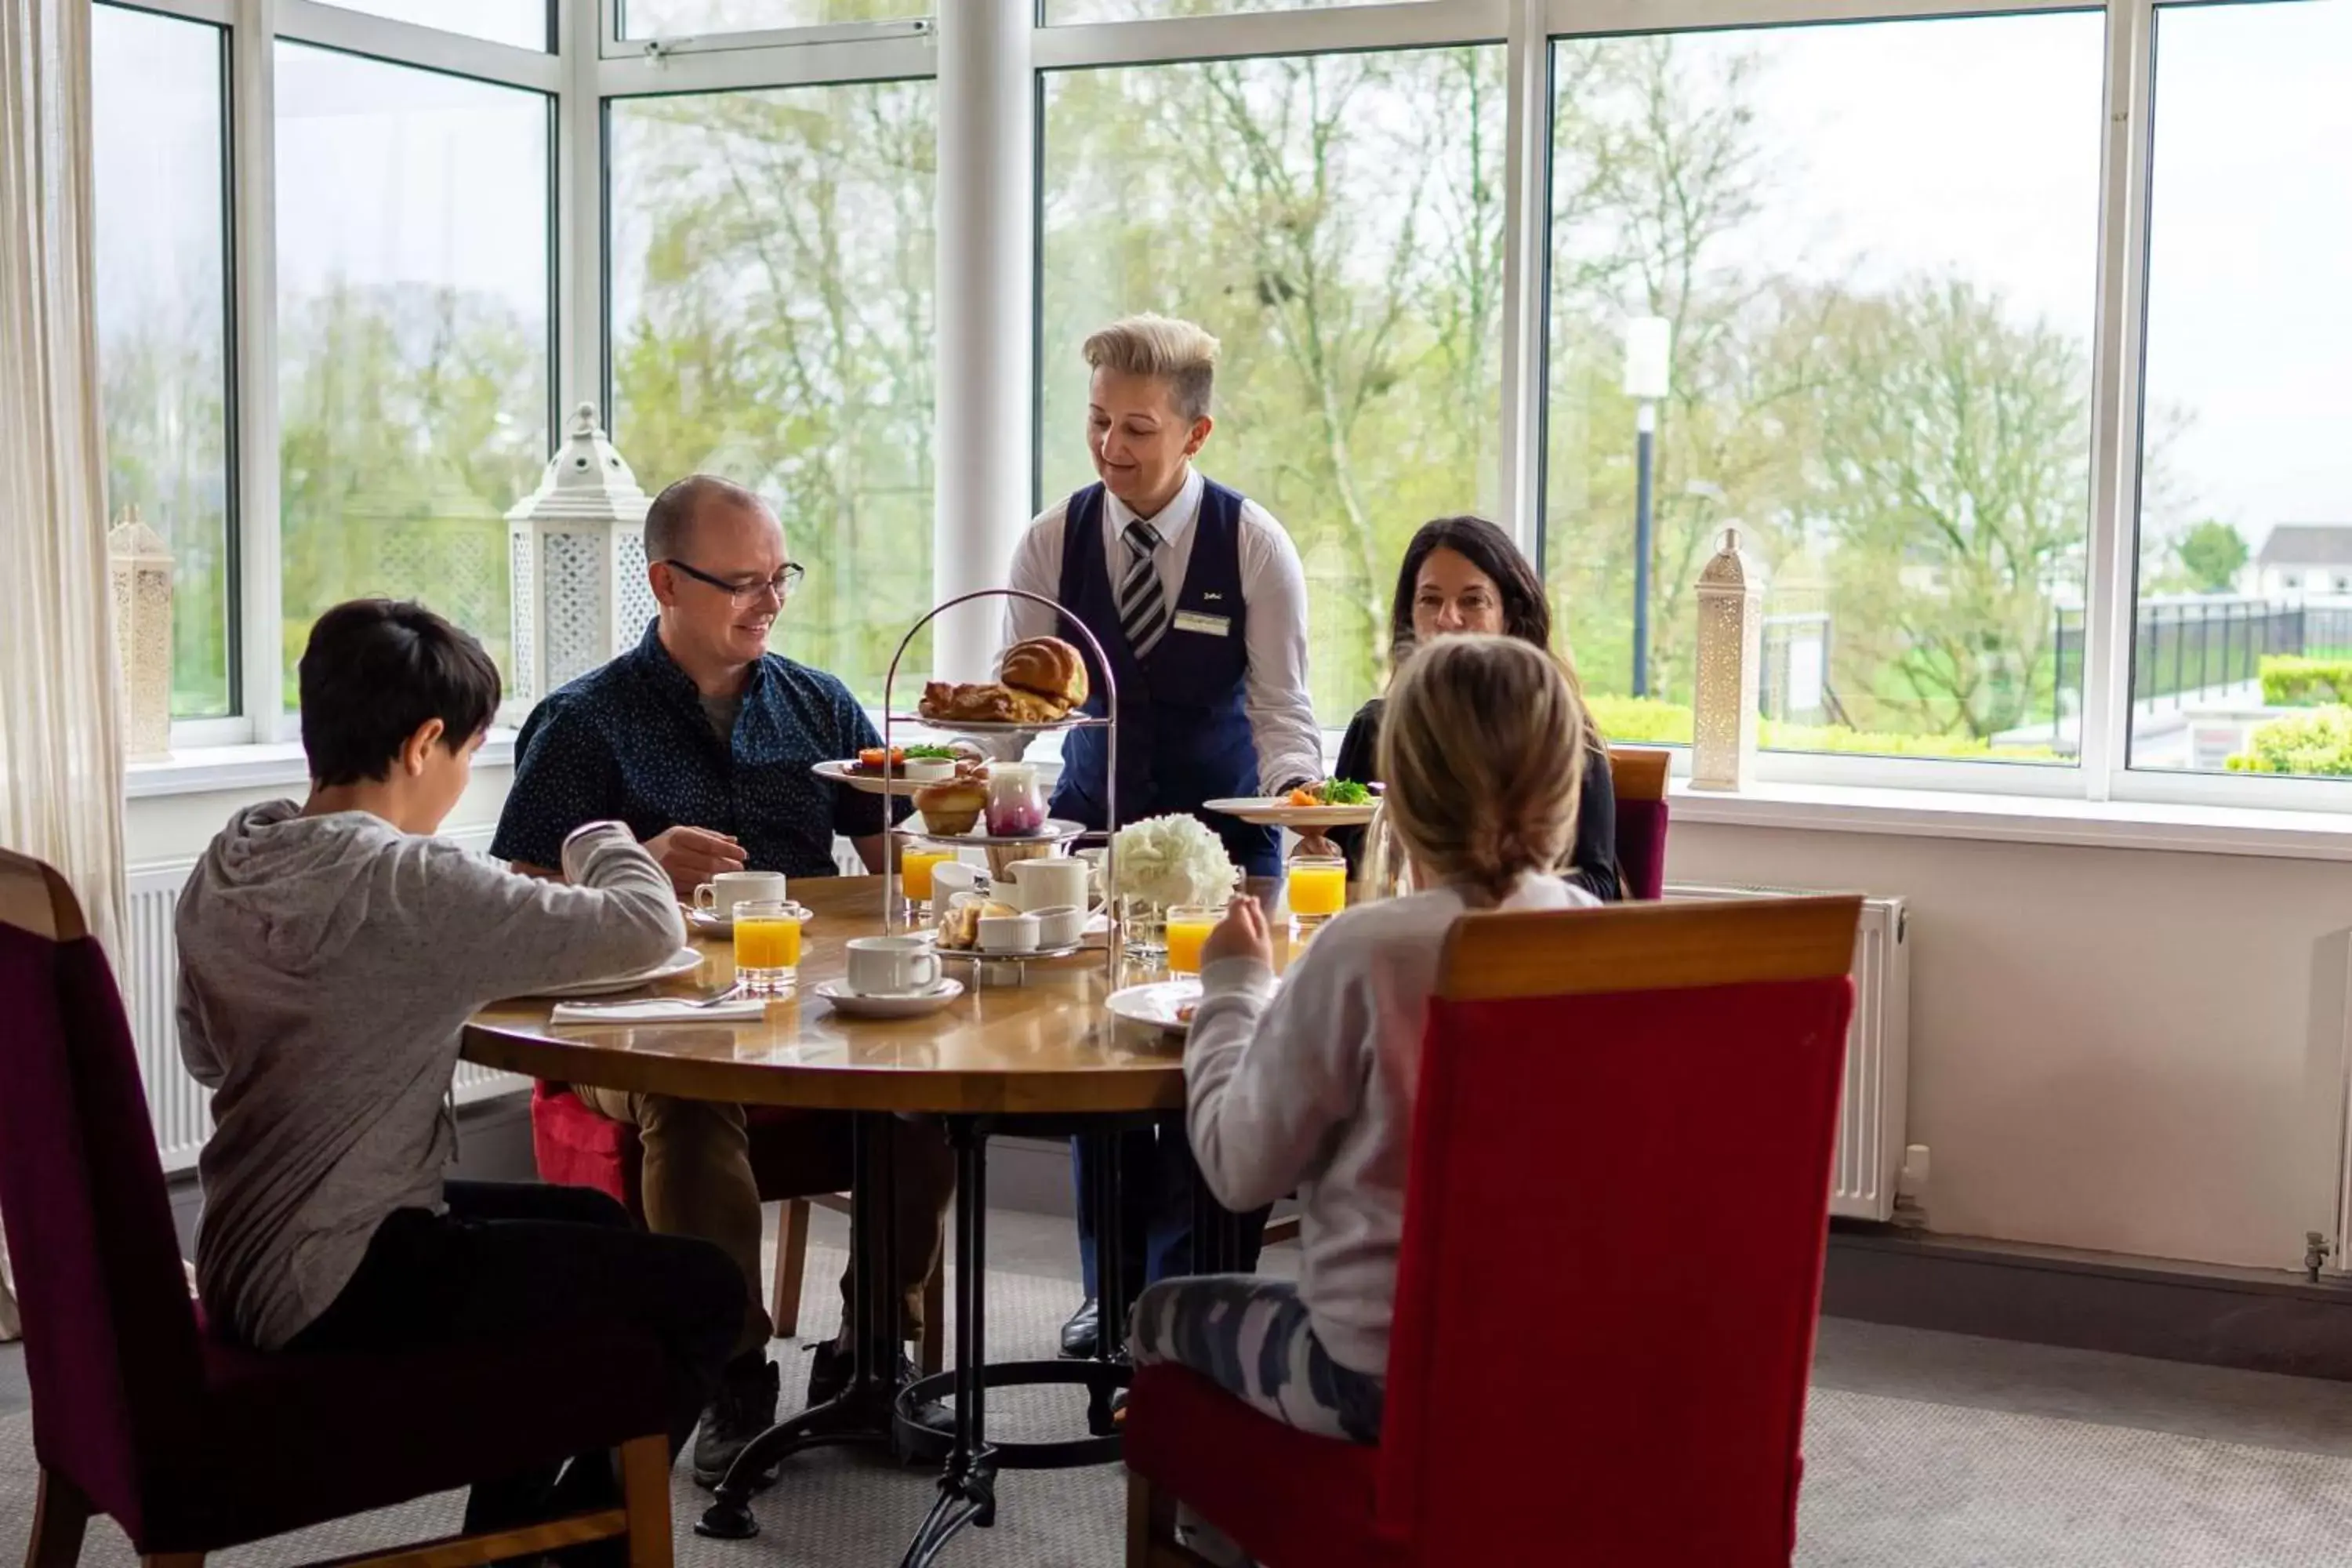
(710, 1001)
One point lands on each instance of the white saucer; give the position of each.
(916, 1005)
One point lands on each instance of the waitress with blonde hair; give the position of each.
(1198, 598)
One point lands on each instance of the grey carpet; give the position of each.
(1888, 1481)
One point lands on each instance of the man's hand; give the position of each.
(1241, 934)
(692, 856)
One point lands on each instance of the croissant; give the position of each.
(1048, 668)
(988, 703)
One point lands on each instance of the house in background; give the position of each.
(2306, 558)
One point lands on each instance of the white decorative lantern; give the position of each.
(577, 551)
(1730, 657)
(140, 565)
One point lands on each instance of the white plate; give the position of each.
(704, 923)
(854, 1005)
(871, 784)
(1154, 1006)
(995, 726)
(1275, 811)
(685, 961)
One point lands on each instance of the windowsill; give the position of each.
(1910, 812)
(204, 770)
(2021, 819)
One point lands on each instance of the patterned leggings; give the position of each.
(1251, 1337)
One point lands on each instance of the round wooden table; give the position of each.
(1029, 1050)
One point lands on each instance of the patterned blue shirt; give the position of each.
(631, 742)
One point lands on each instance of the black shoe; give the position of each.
(745, 1407)
(1082, 1336)
(829, 1373)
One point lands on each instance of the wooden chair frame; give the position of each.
(35, 900)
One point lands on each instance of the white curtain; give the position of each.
(61, 737)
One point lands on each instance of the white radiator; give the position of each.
(1870, 1115)
(150, 979)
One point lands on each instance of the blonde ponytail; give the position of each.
(1483, 745)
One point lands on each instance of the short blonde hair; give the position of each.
(1176, 352)
(1484, 747)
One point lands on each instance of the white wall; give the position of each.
(2135, 1051)
(174, 828)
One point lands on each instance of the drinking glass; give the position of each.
(766, 947)
(1318, 890)
(915, 875)
(1189, 926)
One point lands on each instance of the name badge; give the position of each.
(1207, 625)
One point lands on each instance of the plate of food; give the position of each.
(1041, 684)
(1167, 1006)
(902, 770)
(1333, 803)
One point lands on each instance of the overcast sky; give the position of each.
(1968, 145)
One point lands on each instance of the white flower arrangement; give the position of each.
(1172, 860)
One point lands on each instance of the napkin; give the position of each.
(658, 1010)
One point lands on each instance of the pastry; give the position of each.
(1048, 668)
(960, 926)
(986, 703)
(952, 805)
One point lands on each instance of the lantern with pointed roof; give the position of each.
(1730, 659)
(576, 547)
(140, 565)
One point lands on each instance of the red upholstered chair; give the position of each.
(1614, 1221)
(193, 1447)
(799, 1159)
(1639, 778)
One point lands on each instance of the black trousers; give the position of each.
(509, 1260)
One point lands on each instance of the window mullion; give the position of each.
(253, 131)
(2112, 558)
(579, 212)
(1527, 239)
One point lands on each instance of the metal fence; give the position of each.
(2183, 648)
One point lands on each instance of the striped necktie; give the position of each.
(1143, 608)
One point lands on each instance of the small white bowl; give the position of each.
(1059, 926)
(1008, 933)
(926, 770)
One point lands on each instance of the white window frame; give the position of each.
(593, 65)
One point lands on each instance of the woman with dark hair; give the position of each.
(1464, 575)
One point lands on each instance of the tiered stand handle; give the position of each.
(892, 896)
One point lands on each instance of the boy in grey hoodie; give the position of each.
(330, 953)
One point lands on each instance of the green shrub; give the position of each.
(2316, 744)
(1646, 721)
(2295, 681)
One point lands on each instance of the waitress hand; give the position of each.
(1312, 845)
(1241, 934)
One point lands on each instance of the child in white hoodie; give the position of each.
(1310, 1087)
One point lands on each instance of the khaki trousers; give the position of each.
(698, 1181)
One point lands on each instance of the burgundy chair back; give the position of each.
(1638, 778)
(1613, 1234)
(111, 1340)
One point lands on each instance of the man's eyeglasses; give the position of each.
(781, 584)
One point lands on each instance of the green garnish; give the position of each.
(929, 753)
(1346, 792)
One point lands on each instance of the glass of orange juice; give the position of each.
(1189, 926)
(915, 866)
(766, 947)
(1318, 890)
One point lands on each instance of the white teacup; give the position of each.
(892, 965)
(719, 895)
(1059, 926)
(1053, 882)
(1008, 933)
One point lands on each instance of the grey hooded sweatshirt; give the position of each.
(327, 964)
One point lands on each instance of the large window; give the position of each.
(773, 275)
(1879, 301)
(163, 308)
(1337, 221)
(413, 329)
(523, 23)
(2241, 657)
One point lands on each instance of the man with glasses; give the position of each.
(701, 740)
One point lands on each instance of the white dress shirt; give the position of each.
(1274, 593)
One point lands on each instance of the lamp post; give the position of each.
(1649, 354)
